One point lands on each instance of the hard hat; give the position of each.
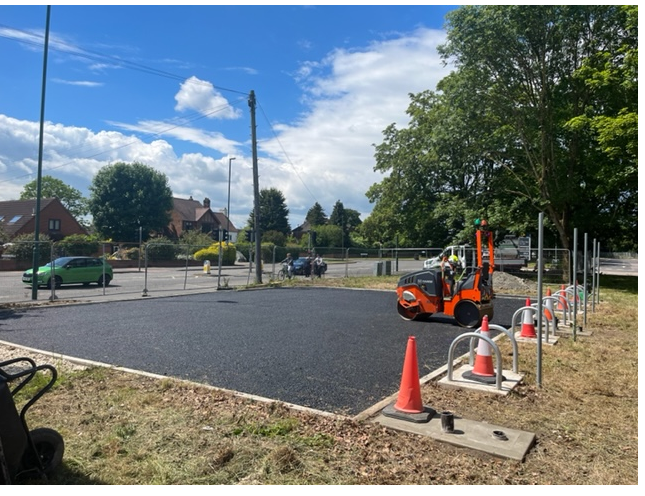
(453, 258)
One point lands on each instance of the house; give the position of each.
(190, 215)
(301, 230)
(18, 217)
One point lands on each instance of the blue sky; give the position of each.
(168, 87)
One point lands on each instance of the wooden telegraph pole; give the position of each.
(256, 194)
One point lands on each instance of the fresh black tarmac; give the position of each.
(336, 350)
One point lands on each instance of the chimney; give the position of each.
(207, 203)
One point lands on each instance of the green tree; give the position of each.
(527, 67)
(329, 236)
(274, 214)
(275, 237)
(316, 215)
(126, 196)
(51, 187)
(526, 123)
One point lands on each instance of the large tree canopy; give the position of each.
(540, 115)
(274, 214)
(51, 187)
(126, 196)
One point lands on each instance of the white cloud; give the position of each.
(352, 96)
(76, 154)
(213, 140)
(326, 155)
(202, 96)
(89, 84)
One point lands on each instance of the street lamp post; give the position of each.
(228, 205)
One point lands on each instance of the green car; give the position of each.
(72, 270)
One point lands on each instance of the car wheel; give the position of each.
(107, 280)
(58, 281)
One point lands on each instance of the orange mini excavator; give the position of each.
(426, 292)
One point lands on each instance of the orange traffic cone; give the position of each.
(409, 406)
(548, 311)
(483, 370)
(562, 304)
(409, 400)
(528, 327)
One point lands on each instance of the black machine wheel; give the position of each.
(406, 313)
(58, 281)
(50, 447)
(467, 314)
(107, 280)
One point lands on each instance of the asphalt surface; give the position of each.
(336, 350)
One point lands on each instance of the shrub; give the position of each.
(161, 248)
(196, 239)
(22, 248)
(79, 245)
(212, 254)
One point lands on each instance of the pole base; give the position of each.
(419, 418)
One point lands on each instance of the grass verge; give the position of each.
(121, 428)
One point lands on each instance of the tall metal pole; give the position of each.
(584, 282)
(539, 298)
(35, 261)
(593, 275)
(256, 194)
(575, 280)
(228, 202)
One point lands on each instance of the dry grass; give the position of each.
(121, 428)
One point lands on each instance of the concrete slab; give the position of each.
(481, 436)
(550, 342)
(458, 381)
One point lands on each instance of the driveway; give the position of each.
(337, 350)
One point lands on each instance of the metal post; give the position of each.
(186, 267)
(103, 267)
(593, 276)
(53, 276)
(347, 264)
(35, 264)
(396, 244)
(228, 204)
(219, 258)
(539, 298)
(140, 241)
(575, 279)
(584, 282)
(598, 279)
(145, 273)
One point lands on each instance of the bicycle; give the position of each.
(284, 273)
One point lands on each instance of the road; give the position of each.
(337, 350)
(134, 283)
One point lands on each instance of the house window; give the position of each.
(54, 224)
(14, 219)
(206, 227)
(187, 225)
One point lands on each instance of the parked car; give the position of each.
(302, 266)
(72, 270)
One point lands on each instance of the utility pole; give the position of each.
(256, 194)
(35, 261)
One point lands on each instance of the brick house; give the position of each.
(190, 215)
(18, 217)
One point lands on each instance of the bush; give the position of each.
(196, 239)
(22, 248)
(79, 245)
(212, 254)
(161, 248)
